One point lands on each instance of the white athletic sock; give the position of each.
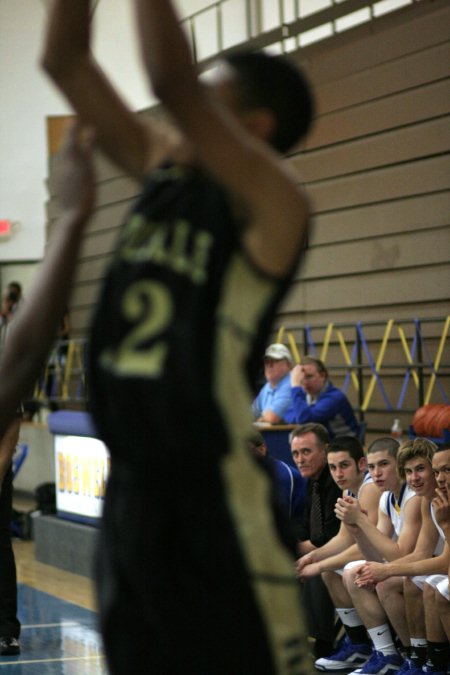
(382, 639)
(418, 642)
(349, 616)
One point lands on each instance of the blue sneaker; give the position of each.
(346, 656)
(409, 668)
(429, 668)
(380, 664)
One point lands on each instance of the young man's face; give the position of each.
(345, 471)
(275, 369)
(420, 477)
(441, 470)
(308, 455)
(383, 469)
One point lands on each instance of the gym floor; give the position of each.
(59, 622)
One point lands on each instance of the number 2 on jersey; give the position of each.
(148, 305)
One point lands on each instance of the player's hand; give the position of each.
(297, 376)
(371, 573)
(311, 570)
(306, 559)
(74, 174)
(441, 507)
(349, 511)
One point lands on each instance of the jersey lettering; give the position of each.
(175, 246)
(149, 306)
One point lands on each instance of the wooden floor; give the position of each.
(63, 585)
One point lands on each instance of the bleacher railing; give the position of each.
(388, 366)
(283, 25)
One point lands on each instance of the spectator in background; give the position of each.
(290, 486)
(10, 302)
(319, 525)
(274, 398)
(315, 399)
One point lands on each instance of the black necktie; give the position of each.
(316, 518)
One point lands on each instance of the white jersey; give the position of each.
(366, 480)
(395, 508)
(440, 545)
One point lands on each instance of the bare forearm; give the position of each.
(374, 545)
(339, 560)
(418, 567)
(165, 50)
(34, 329)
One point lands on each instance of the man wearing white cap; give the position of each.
(275, 396)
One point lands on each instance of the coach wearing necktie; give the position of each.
(319, 525)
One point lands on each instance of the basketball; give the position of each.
(431, 419)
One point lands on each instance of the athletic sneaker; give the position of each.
(9, 646)
(380, 664)
(346, 657)
(409, 668)
(429, 668)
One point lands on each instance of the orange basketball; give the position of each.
(420, 420)
(441, 421)
(431, 419)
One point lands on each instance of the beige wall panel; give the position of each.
(98, 244)
(110, 216)
(418, 27)
(393, 111)
(92, 270)
(294, 319)
(425, 247)
(419, 177)
(387, 78)
(85, 295)
(110, 192)
(422, 284)
(419, 140)
(412, 213)
(81, 318)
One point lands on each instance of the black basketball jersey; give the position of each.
(180, 326)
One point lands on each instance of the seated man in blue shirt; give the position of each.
(274, 398)
(289, 484)
(315, 399)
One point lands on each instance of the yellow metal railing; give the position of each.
(366, 356)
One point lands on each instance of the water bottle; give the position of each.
(396, 430)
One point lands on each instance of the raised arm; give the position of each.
(34, 328)
(67, 59)
(277, 212)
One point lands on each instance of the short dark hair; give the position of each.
(16, 286)
(312, 361)
(348, 444)
(276, 83)
(256, 439)
(311, 428)
(391, 445)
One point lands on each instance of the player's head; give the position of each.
(382, 462)
(346, 461)
(274, 84)
(441, 467)
(413, 449)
